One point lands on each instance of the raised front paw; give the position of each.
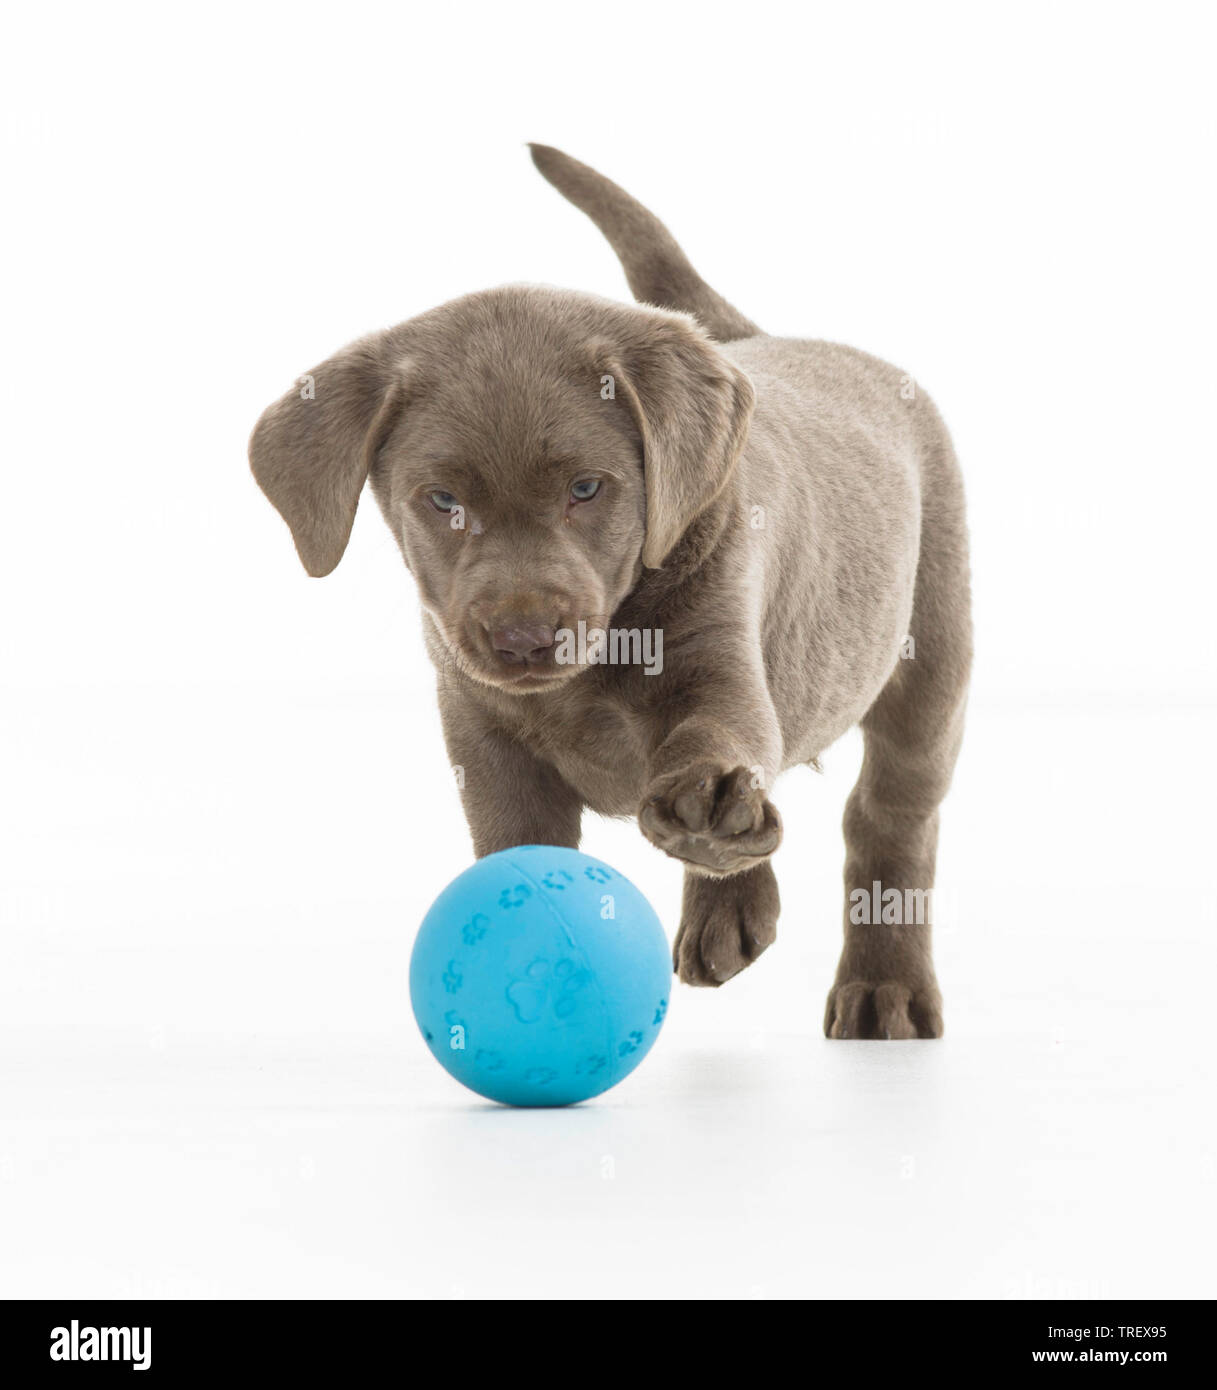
(889, 1010)
(725, 923)
(716, 818)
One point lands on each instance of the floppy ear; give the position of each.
(692, 408)
(310, 452)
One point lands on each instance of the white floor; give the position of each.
(211, 1085)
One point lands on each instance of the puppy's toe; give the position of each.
(892, 1019)
(739, 806)
(851, 1013)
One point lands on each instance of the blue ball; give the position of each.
(540, 976)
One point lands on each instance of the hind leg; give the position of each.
(885, 985)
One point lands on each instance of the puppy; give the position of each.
(779, 523)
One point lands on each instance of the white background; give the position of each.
(225, 803)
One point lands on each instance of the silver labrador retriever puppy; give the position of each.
(663, 557)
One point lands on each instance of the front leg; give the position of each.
(510, 796)
(706, 805)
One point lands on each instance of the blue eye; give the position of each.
(442, 501)
(585, 490)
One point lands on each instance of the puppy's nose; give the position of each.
(523, 642)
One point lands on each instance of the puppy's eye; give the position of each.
(442, 501)
(585, 490)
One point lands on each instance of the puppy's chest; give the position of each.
(596, 742)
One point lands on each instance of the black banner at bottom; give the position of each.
(183, 1342)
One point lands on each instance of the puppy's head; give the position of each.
(531, 450)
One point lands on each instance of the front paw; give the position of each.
(725, 923)
(889, 1009)
(713, 817)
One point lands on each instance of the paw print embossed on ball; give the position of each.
(557, 986)
(557, 982)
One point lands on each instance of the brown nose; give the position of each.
(523, 642)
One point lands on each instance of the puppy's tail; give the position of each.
(657, 269)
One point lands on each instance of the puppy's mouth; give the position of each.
(534, 680)
(519, 657)
(516, 680)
